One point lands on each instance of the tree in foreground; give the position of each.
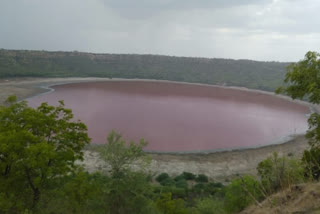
(303, 78)
(302, 81)
(37, 146)
(128, 190)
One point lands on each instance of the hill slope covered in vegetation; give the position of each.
(242, 73)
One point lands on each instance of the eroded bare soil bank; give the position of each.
(219, 166)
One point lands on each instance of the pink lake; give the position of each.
(175, 117)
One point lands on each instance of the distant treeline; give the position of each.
(243, 73)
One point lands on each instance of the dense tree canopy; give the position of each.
(243, 73)
(303, 78)
(36, 147)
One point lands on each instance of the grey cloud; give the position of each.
(255, 29)
(289, 16)
(147, 8)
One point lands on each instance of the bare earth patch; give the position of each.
(304, 198)
(219, 166)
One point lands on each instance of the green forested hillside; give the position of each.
(243, 73)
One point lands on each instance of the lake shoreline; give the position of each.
(42, 86)
(49, 88)
(218, 165)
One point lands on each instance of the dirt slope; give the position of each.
(302, 199)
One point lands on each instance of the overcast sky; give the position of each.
(273, 30)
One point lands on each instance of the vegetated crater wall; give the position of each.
(177, 117)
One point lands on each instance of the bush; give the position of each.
(199, 188)
(209, 189)
(279, 172)
(179, 177)
(214, 188)
(182, 183)
(210, 206)
(176, 192)
(162, 177)
(216, 185)
(311, 160)
(168, 182)
(166, 204)
(241, 193)
(188, 175)
(202, 178)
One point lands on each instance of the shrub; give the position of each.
(210, 206)
(177, 192)
(213, 188)
(179, 177)
(166, 204)
(188, 175)
(209, 189)
(168, 182)
(162, 176)
(279, 172)
(202, 178)
(182, 183)
(311, 160)
(241, 193)
(199, 188)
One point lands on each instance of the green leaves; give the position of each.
(311, 159)
(241, 193)
(11, 99)
(303, 81)
(277, 173)
(36, 146)
(303, 78)
(313, 134)
(168, 205)
(120, 155)
(126, 190)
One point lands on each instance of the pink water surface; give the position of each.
(179, 117)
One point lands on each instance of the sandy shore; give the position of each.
(27, 87)
(220, 166)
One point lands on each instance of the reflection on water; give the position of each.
(179, 117)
